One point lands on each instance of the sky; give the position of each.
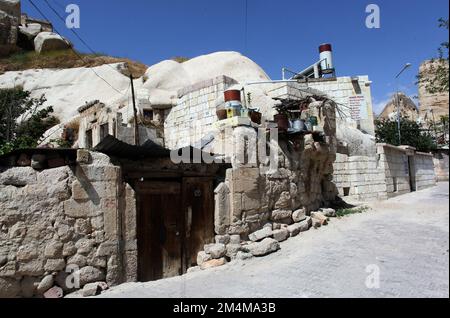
(273, 33)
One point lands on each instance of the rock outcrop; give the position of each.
(432, 104)
(49, 41)
(9, 25)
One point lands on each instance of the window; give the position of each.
(346, 191)
(148, 114)
(89, 139)
(104, 131)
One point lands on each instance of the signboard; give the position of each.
(357, 104)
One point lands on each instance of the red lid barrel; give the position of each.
(325, 48)
(232, 95)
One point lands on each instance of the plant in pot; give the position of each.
(282, 118)
(254, 113)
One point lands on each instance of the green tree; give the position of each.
(23, 120)
(412, 134)
(436, 79)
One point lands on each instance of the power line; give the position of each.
(75, 52)
(74, 32)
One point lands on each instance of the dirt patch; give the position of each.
(64, 60)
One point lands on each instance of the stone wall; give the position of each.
(192, 118)
(341, 90)
(441, 166)
(382, 176)
(394, 163)
(425, 173)
(255, 193)
(52, 220)
(359, 178)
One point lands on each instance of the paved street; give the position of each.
(407, 238)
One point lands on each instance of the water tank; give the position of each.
(326, 57)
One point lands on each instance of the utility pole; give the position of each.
(136, 127)
(407, 65)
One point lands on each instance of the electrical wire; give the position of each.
(73, 31)
(73, 50)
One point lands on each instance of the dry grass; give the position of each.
(63, 60)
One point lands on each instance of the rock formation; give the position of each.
(408, 108)
(432, 104)
(9, 24)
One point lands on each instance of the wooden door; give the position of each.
(160, 226)
(198, 202)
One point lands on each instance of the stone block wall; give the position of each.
(192, 118)
(341, 89)
(359, 178)
(425, 173)
(56, 221)
(385, 175)
(441, 166)
(257, 193)
(394, 163)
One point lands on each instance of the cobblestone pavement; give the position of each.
(407, 238)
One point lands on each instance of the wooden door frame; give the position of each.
(185, 206)
(150, 186)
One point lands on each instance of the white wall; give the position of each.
(341, 89)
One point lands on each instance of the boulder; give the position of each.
(69, 249)
(261, 234)
(299, 215)
(294, 229)
(282, 216)
(265, 247)
(77, 259)
(49, 41)
(54, 250)
(84, 246)
(215, 250)
(243, 256)
(232, 250)
(331, 213)
(319, 217)
(31, 30)
(306, 224)
(223, 239)
(235, 239)
(281, 235)
(55, 265)
(213, 263)
(54, 292)
(45, 284)
(202, 257)
(316, 223)
(94, 289)
(90, 274)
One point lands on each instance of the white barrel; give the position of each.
(326, 57)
